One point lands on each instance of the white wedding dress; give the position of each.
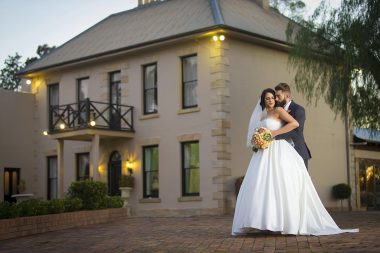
(277, 194)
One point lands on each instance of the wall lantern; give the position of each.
(220, 37)
(129, 167)
(45, 133)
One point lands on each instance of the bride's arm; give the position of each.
(292, 123)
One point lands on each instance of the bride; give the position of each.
(277, 193)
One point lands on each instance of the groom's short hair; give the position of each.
(284, 87)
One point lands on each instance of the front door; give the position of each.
(369, 171)
(11, 182)
(114, 174)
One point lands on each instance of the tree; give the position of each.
(336, 55)
(41, 51)
(293, 9)
(8, 75)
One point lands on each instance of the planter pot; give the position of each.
(125, 193)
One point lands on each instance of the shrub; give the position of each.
(8, 210)
(111, 202)
(90, 192)
(55, 206)
(73, 204)
(341, 191)
(32, 207)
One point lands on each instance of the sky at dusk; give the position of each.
(25, 24)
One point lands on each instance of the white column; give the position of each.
(94, 164)
(61, 168)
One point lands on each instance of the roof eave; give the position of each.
(260, 39)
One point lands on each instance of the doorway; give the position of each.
(369, 176)
(114, 174)
(11, 182)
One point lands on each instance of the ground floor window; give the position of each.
(150, 167)
(83, 166)
(190, 168)
(52, 191)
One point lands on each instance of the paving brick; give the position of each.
(195, 234)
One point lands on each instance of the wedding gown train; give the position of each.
(277, 194)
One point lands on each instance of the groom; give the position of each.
(295, 137)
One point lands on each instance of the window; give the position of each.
(150, 166)
(52, 183)
(83, 166)
(190, 168)
(189, 82)
(115, 99)
(53, 98)
(82, 95)
(150, 88)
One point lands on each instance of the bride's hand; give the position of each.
(274, 134)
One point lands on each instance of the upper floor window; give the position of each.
(190, 169)
(150, 88)
(115, 99)
(83, 166)
(82, 88)
(53, 104)
(189, 82)
(150, 166)
(53, 94)
(82, 95)
(115, 87)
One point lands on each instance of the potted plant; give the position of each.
(341, 192)
(126, 184)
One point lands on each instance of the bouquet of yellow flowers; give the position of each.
(261, 139)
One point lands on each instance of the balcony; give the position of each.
(83, 120)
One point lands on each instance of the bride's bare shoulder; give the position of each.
(279, 109)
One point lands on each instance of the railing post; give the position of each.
(87, 111)
(50, 118)
(132, 119)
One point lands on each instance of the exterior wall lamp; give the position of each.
(219, 37)
(129, 167)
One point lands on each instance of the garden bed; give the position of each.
(23, 226)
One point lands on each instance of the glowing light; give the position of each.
(215, 38)
(45, 133)
(92, 123)
(222, 37)
(28, 81)
(62, 126)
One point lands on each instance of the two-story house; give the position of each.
(167, 89)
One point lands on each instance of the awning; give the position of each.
(368, 135)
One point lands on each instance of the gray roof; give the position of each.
(162, 21)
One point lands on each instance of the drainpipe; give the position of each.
(348, 155)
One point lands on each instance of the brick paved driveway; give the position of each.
(197, 234)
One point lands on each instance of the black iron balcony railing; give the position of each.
(90, 114)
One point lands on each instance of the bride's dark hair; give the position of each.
(262, 100)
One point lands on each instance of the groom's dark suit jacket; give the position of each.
(298, 113)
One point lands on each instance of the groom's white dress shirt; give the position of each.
(286, 106)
